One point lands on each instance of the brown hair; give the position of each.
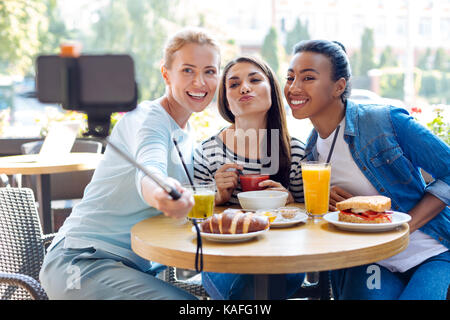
(276, 116)
(186, 36)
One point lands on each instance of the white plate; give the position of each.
(229, 237)
(398, 218)
(283, 223)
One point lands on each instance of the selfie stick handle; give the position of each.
(169, 189)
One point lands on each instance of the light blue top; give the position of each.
(112, 202)
(390, 147)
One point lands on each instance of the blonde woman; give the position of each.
(91, 257)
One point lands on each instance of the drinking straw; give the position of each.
(199, 253)
(333, 143)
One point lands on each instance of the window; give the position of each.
(445, 29)
(401, 26)
(425, 27)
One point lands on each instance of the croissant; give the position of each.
(234, 222)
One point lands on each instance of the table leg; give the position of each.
(44, 199)
(261, 285)
(270, 287)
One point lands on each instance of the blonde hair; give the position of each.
(186, 36)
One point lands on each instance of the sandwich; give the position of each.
(365, 209)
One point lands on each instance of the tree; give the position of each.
(441, 60)
(424, 60)
(367, 61)
(270, 50)
(388, 58)
(57, 32)
(297, 34)
(139, 29)
(355, 63)
(20, 22)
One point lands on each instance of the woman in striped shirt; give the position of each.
(257, 141)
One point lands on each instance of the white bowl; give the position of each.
(264, 199)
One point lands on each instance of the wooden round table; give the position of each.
(34, 164)
(312, 246)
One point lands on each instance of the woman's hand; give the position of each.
(161, 200)
(226, 181)
(337, 194)
(273, 185)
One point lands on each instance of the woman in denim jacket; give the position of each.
(379, 150)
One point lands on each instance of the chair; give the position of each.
(11, 147)
(316, 286)
(63, 193)
(4, 180)
(193, 284)
(22, 245)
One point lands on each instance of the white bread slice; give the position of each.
(355, 219)
(373, 203)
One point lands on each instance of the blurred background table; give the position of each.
(32, 164)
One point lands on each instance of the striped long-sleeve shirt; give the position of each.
(212, 153)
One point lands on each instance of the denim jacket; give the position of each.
(390, 147)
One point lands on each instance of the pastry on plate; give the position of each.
(235, 222)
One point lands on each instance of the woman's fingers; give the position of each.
(227, 174)
(337, 194)
(270, 184)
(174, 208)
(341, 192)
(228, 166)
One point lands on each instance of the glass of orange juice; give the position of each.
(316, 187)
(204, 195)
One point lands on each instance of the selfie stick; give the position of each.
(169, 189)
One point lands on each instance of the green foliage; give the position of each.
(4, 120)
(297, 34)
(139, 29)
(441, 60)
(355, 63)
(435, 86)
(388, 58)
(391, 85)
(363, 60)
(270, 50)
(57, 32)
(439, 127)
(52, 114)
(367, 61)
(206, 123)
(438, 60)
(423, 62)
(430, 83)
(20, 24)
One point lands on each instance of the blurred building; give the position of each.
(248, 21)
(345, 20)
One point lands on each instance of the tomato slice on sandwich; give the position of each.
(369, 215)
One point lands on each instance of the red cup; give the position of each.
(249, 182)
